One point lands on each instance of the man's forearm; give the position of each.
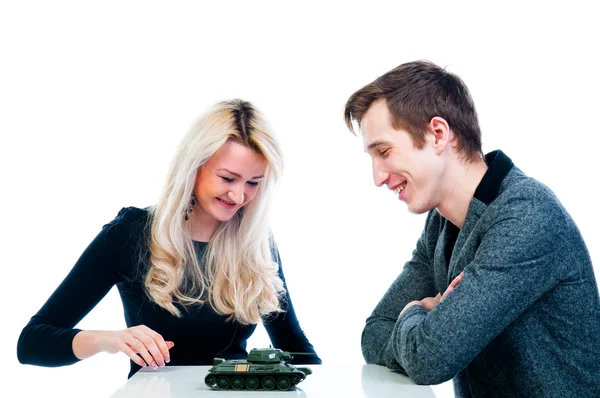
(375, 341)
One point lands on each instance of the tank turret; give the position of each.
(264, 368)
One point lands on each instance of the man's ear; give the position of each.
(439, 133)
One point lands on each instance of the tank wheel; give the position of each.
(251, 383)
(223, 382)
(283, 383)
(237, 383)
(210, 380)
(268, 383)
(294, 379)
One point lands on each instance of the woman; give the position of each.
(196, 272)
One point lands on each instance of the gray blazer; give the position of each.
(525, 319)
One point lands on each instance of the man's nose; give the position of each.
(379, 176)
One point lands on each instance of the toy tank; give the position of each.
(265, 368)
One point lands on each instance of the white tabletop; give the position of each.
(326, 381)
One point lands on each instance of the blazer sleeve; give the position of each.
(519, 259)
(47, 339)
(284, 328)
(415, 282)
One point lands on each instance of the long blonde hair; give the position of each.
(240, 278)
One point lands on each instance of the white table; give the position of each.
(326, 381)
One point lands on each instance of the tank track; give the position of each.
(268, 382)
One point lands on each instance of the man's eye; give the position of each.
(384, 153)
(253, 183)
(227, 179)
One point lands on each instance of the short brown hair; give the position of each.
(415, 92)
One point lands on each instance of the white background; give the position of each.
(95, 97)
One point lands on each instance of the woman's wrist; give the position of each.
(87, 343)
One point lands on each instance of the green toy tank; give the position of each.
(265, 368)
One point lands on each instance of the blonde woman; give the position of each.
(196, 272)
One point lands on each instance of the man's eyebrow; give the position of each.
(239, 176)
(375, 144)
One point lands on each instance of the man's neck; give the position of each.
(462, 179)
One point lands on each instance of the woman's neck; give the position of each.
(203, 225)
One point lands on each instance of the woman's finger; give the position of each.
(146, 336)
(149, 344)
(161, 346)
(124, 348)
(139, 347)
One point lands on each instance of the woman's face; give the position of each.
(228, 181)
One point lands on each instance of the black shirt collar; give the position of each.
(498, 167)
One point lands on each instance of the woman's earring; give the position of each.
(191, 208)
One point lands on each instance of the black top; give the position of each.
(116, 257)
(498, 167)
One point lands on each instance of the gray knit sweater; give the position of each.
(525, 319)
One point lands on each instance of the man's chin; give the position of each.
(417, 210)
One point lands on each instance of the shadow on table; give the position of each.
(379, 381)
(296, 392)
(148, 387)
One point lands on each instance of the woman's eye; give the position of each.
(253, 183)
(227, 179)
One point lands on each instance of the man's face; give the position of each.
(415, 175)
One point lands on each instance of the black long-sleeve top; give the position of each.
(116, 257)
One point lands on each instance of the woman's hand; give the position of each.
(140, 343)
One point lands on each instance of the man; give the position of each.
(500, 293)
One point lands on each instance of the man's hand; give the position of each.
(452, 286)
(429, 303)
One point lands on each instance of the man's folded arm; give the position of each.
(512, 268)
(414, 283)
